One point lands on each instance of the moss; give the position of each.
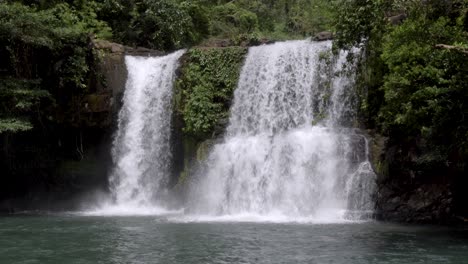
(319, 118)
(183, 176)
(377, 151)
(203, 149)
(204, 89)
(194, 153)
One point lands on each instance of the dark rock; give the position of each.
(108, 46)
(217, 43)
(266, 41)
(98, 103)
(119, 49)
(112, 74)
(395, 200)
(221, 126)
(424, 203)
(140, 51)
(256, 42)
(322, 36)
(397, 20)
(416, 202)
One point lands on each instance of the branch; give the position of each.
(450, 47)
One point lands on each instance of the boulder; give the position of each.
(397, 20)
(140, 51)
(108, 46)
(322, 36)
(119, 49)
(423, 203)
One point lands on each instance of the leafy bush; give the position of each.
(229, 20)
(205, 87)
(425, 89)
(18, 98)
(157, 24)
(418, 86)
(44, 53)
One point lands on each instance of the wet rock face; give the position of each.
(428, 203)
(64, 160)
(113, 74)
(101, 106)
(403, 197)
(109, 82)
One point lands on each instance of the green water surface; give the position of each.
(90, 239)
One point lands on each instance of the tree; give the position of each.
(414, 72)
(43, 52)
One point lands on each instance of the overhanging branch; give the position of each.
(450, 47)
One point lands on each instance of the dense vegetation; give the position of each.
(45, 60)
(51, 140)
(205, 88)
(45, 44)
(415, 72)
(412, 78)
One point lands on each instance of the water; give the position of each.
(84, 239)
(290, 151)
(141, 149)
(289, 154)
(290, 182)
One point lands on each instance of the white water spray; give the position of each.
(286, 153)
(141, 148)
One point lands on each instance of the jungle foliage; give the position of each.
(172, 24)
(46, 58)
(414, 69)
(415, 72)
(206, 86)
(44, 54)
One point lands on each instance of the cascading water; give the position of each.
(141, 149)
(287, 153)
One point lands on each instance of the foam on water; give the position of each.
(112, 209)
(328, 216)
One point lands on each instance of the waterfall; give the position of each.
(141, 149)
(290, 151)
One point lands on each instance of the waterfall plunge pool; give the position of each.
(281, 185)
(72, 238)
